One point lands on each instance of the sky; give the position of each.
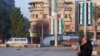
(23, 4)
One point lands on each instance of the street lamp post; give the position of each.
(85, 19)
(55, 14)
(56, 39)
(55, 10)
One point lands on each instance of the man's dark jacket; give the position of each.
(86, 49)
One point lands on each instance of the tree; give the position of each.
(4, 23)
(41, 28)
(96, 16)
(18, 24)
(81, 34)
(4, 20)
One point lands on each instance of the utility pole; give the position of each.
(42, 30)
(85, 19)
(55, 15)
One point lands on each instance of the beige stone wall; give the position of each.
(96, 1)
(70, 23)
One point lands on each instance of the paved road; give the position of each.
(51, 51)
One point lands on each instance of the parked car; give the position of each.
(17, 40)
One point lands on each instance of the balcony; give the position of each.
(67, 30)
(35, 1)
(37, 19)
(98, 28)
(69, 1)
(68, 8)
(67, 20)
(40, 1)
(67, 23)
(35, 8)
(89, 28)
(33, 20)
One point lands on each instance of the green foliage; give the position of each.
(18, 24)
(81, 34)
(90, 35)
(4, 20)
(4, 24)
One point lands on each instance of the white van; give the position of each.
(17, 41)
